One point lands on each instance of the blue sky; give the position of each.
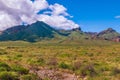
(93, 15)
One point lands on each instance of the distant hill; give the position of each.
(108, 34)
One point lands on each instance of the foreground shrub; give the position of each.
(88, 70)
(76, 65)
(29, 77)
(64, 65)
(53, 62)
(41, 61)
(4, 67)
(19, 55)
(20, 70)
(115, 71)
(2, 52)
(8, 76)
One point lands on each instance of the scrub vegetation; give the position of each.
(95, 60)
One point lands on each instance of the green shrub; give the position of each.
(19, 55)
(20, 69)
(29, 77)
(4, 67)
(64, 65)
(41, 61)
(8, 76)
(2, 52)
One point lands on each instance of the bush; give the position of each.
(40, 61)
(19, 55)
(77, 65)
(8, 76)
(64, 55)
(88, 70)
(4, 67)
(64, 65)
(115, 71)
(2, 52)
(29, 77)
(20, 69)
(53, 62)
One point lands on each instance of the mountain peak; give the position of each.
(76, 29)
(110, 30)
(108, 34)
(39, 23)
(107, 31)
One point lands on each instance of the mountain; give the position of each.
(108, 34)
(41, 31)
(31, 33)
(77, 34)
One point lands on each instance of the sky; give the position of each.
(93, 15)
(90, 15)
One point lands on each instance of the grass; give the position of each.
(94, 60)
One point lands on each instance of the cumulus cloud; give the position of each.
(40, 5)
(6, 22)
(58, 22)
(58, 9)
(57, 17)
(15, 12)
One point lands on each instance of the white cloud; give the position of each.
(59, 22)
(6, 22)
(117, 17)
(40, 5)
(57, 17)
(14, 12)
(58, 9)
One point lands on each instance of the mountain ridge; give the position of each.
(41, 31)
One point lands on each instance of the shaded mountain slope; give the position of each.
(33, 32)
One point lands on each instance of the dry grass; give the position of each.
(94, 62)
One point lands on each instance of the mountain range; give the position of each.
(41, 31)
